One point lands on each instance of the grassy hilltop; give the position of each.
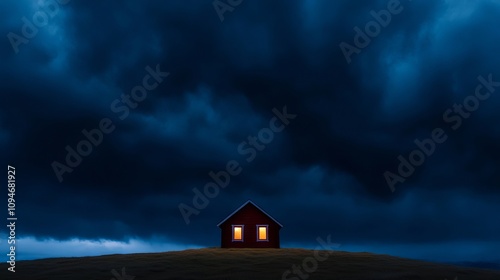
(255, 264)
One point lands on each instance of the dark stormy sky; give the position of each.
(323, 174)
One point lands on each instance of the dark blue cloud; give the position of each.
(322, 175)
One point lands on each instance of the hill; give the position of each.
(255, 264)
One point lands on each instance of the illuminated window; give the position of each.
(262, 233)
(237, 233)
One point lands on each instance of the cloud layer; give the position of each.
(323, 174)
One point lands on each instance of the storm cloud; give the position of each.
(323, 174)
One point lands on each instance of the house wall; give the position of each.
(250, 217)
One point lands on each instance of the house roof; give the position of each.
(249, 202)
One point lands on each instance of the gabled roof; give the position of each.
(235, 211)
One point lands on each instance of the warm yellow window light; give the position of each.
(237, 234)
(262, 233)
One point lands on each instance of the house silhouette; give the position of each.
(250, 227)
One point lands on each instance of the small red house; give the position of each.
(250, 227)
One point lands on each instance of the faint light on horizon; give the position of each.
(30, 248)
